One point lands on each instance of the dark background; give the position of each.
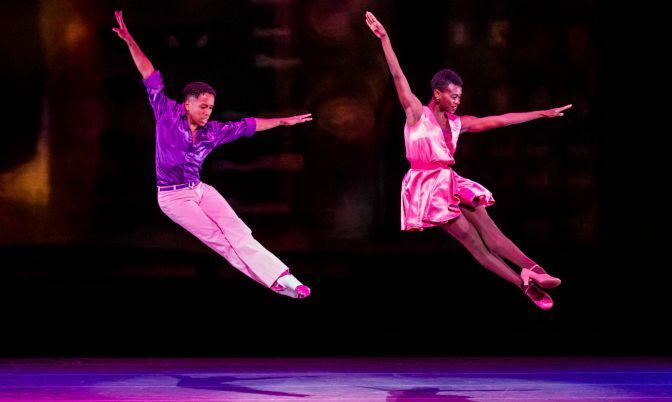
(90, 266)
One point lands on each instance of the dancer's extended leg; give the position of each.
(494, 239)
(461, 229)
(466, 233)
(204, 213)
(502, 246)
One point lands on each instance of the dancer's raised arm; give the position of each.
(475, 124)
(411, 104)
(141, 61)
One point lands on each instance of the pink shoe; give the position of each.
(539, 277)
(303, 291)
(288, 285)
(539, 297)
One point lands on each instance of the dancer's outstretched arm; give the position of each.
(411, 104)
(231, 131)
(266, 124)
(475, 124)
(141, 61)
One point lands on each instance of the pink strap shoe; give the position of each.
(539, 297)
(538, 276)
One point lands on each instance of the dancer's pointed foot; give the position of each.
(539, 297)
(537, 275)
(303, 291)
(288, 285)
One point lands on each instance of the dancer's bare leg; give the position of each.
(494, 239)
(466, 233)
(461, 229)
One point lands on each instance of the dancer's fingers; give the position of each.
(370, 19)
(121, 20)
(303, 118)
(564, 107)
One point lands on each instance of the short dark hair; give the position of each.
(445, 77)
(196, 89)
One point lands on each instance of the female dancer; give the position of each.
(433, 194)
(184, 137)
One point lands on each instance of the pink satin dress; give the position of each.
(431, 192)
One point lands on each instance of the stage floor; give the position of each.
(338, 379)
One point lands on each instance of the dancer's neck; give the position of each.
(436, 109)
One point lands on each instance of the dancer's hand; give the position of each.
(411, 104)
(292, 120)
(141, 61)
(373, 23)
(555, 112)
(122, 31)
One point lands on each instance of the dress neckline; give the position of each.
(447, 142)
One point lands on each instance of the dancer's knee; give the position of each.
(495, 244)
(479, 251)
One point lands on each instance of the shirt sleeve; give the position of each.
(232, 130)
(157, 98)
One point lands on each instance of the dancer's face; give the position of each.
(449, 98)
(199, 109)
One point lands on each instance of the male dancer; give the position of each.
(184, 137)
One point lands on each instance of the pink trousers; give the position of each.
(206, 214)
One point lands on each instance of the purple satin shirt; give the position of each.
(178, 160)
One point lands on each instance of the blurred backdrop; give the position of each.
(91, 266)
